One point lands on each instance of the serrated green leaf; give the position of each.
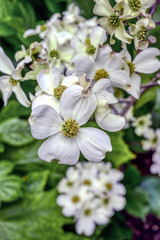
(152, 186)
(120, 153)
(6, 167)
(15, 132)
(2, 147)
(132, 177)
(36, 181)
(146, 97)
(10, 188)
(157, 105)
(37, 215)
(137, 203)
(13, 109)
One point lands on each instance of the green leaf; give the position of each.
(157, 105)
(120, 153)
(13, 109)
(15, 132)
(6, 167)
(146, 97)
(152, 186)
(137, 203)
(38, 217)
(2, 147)
(36, 181)
(6, 30)
(10, 188)
(132, 177)
(55, 5)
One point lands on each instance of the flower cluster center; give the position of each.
(59, 90)
(88, 212)
(70, 128)
(75, 199)
(101, 74)
(90, 48)
(131, 67)
(141, 34)
(135, 5)
(114, 20)
(54, 53)
(13, 81)
(43, 27)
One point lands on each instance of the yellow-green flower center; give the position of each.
(59, 90)
(88, 41)
(88, 212)
(13, 81)
(69, 183)
(105, 201)
(131, 67)
(109, 186)
(135, 5)
(43, 27)
(91, 49)
(54, 53)
(70, 128)
(141, 34)
(101, 74)
(87, 182)
(114, 20)
(75, 199)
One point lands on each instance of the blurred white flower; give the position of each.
(11, 81)
(95, 197)
(142, 124)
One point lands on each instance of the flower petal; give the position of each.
(6, 65)
(93, 143)
(77, 105)
(135, 85)
(20, 95)
(44, 122)
(119, 78)
(59, 147)
(103, 8)
(45, 99)
(49, 79)
(100, 85)
(111, 122)
(146, 61)
(5, 88)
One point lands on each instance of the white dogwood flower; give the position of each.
(95, 196)
(112, 22)
(11, 81)
(65, 137)
(142, 124)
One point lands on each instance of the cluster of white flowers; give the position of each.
(143, 127)
(91, 192)
(114, 20)
(76, 74)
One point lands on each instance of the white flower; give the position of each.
(11, 81)
(94, 197)
(111, 21)
(139, 32)
(142, 124)
(107, 65)
(133, 8)
(72, 14)
(155, 167)
(66, 138)
(150, 142)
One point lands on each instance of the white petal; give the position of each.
(45, 99)
(49, 79)
(30, 32)
(85, 226)
(111, 122)
(103, 8)
(5, 88)
(45, 122)
(61, 148)
(77, 105)
(146, 61)
(135, 85)
(6, 65)
(100, 85)
(20, 95)
(119, 78)
(70, 80)
(93, 143)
